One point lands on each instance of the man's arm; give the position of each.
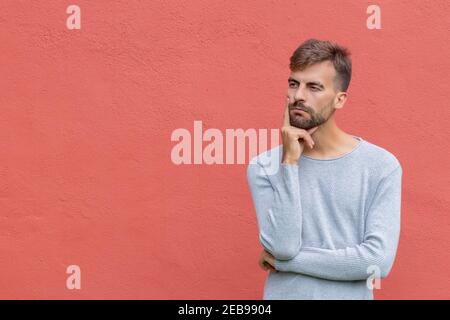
(378, 248)
(277, 198)
(278, 209)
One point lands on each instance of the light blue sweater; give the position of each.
(331, 224)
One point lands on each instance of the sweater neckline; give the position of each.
(361, 140)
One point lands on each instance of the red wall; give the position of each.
(86, 175)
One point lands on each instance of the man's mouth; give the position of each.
(300, 112)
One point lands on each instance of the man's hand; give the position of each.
(294, 139)
(267, 261)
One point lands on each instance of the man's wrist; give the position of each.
(287, 160)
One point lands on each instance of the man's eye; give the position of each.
(292, 84)
(315, 88)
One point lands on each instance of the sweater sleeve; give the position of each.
(276, 199)
(377, 250)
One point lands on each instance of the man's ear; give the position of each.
(340, 99)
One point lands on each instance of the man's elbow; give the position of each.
(281, 251)
(385, 266)
(385, 270)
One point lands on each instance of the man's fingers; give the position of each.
(269, 266)
(311, 131)
(303, 134)
(286, 121)
(262, 264)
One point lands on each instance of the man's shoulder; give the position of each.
(265, 163)
(270, 155)
(379, 158)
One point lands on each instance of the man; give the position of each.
(329, 217)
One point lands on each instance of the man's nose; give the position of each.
(300, 94)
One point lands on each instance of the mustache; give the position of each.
(299, 106)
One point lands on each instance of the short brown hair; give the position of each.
(313, 51)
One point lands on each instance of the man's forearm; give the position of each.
(277, 203)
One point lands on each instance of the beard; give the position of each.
(313, 119)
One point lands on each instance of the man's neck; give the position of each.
(330, 142)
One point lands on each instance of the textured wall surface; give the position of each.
(86, 118)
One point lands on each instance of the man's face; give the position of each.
(312, 90)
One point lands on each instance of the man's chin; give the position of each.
(298, 125)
